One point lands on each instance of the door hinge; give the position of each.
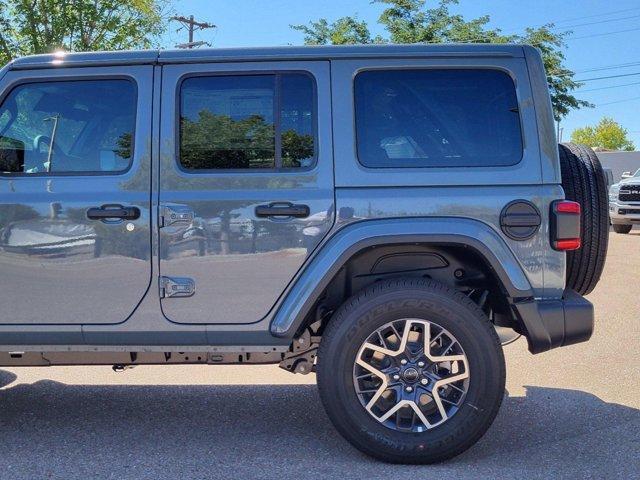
(177, 287)
(175, 214)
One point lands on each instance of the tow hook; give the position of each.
(119, 367)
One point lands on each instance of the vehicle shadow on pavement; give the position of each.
(266, 431)
(7, 378)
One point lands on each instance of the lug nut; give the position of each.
(424, 381)
(421, 364)
(403, 361)
(409, 389)
(396, 377)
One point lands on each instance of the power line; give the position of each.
(603, 34)
(554, 28)
(609, 67)
(606, 88)
(598, 15)
(608, 77)
(617, 101)
(597, 22)
(565, 73)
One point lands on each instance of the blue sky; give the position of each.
(266, 22)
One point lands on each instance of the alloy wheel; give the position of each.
(411, 375)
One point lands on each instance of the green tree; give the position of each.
(607, 134)
(43, 26)
(410, 21)
(218, 141)
(344, 31)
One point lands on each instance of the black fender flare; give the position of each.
(334, 252)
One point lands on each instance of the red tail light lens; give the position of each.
(570, 244)
(565, 225)
(566, 206)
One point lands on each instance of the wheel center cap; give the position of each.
(410, 374)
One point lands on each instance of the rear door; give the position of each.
(74, 194)
(246, 184)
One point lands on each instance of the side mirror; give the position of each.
(11, 155)
(626, 175)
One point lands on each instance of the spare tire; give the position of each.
(583, 181)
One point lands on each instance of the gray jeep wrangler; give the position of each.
(384, 216)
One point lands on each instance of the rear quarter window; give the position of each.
(437, 118)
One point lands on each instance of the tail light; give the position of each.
(565, 225)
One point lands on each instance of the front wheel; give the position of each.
(411, 371)
(622, 228)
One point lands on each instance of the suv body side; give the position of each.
(445, 206)
(441, 206)
(451, 192)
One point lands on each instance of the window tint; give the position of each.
(437, 118)
(247, 122)
(297, 121)
(70, 127)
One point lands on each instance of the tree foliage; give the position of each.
(344, 31)
(43, 26)
(607, 134)
(411, 21)
(219, 141)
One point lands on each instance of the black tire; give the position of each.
(391, 300)
(622, 228)
(583, 181)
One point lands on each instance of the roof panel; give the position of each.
(263, 54)
(85, 59)
(336, 52)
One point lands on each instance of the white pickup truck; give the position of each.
(624, 203)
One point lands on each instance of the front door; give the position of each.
(74, 194)
(246, 185)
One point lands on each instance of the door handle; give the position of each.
(282, 210)
(113, 212)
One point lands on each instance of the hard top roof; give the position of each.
(142, 57)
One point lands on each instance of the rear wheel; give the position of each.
(583, 181)
(622, 228)
(411, 371)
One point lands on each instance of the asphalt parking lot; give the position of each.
(568, 413)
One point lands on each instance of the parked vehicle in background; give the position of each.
(624, 203)
(608, 175)
(369, 213)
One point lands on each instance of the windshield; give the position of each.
(637, 174)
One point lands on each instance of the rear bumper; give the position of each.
(556, 323)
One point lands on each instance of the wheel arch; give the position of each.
(297, 308)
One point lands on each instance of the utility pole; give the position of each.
(53, 119)
(191, 25)
(559, 132)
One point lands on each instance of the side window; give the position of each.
(247, 122)
(68, 127)
(297, 119)
(437, 118)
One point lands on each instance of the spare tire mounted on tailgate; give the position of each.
(584, 182)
